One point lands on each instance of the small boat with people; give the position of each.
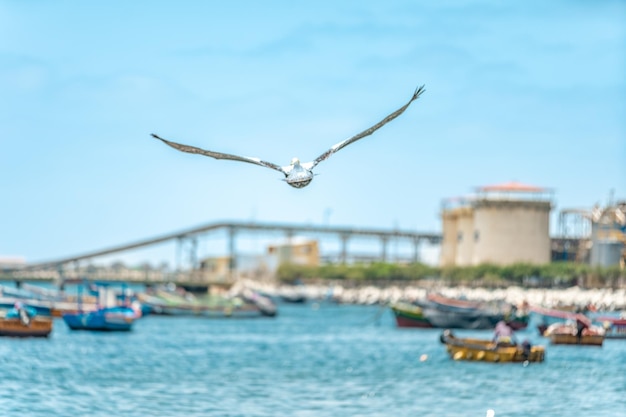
(482, 350)
(579, 331)
(546, 317)
(24, 321)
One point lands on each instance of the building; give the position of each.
(224, 269)
(500, 224)
(295, 251)
(608, 235)
(593, 236)
(11, 262)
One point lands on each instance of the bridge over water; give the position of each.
(79, 266)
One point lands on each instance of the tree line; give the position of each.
(555, 274)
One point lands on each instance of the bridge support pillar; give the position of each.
(232, 255)
(416, 256)
(383, 254)
(344, 248)
(61, 283)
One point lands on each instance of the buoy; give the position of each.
(423, 358)
(457, 356)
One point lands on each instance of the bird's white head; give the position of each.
(295, 161)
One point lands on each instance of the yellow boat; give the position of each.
(487, 351)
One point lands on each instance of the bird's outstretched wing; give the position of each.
(367, 132)
(219, 155)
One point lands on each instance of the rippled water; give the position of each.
(326, 361)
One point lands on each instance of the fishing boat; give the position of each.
(118, 318)
(23, 321)
(614, 327)
(47, 302)
(579, 332)
(108, 315)
(480, 350)
(469, 319)
(450, 313)
(545, 317)
(180, 303)
(409, 315)
(292, 297)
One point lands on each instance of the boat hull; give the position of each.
(568, 339)
(479, 350)
(37, 327)
(569, 334)
(208, 312)
(114, 319)
(213, 307)
(449, 313)
(409, 315)
(461, 320)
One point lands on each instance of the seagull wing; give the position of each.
(219, 155)
(366, 132)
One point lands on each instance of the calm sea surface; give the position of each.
(328, 361)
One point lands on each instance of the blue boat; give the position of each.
(117, 318)
(109, 316)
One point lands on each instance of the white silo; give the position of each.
(502, 224)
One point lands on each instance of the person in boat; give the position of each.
(503, 334)
(526, 348)
(580, 327)
(23, 312)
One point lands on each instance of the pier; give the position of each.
(80, 267)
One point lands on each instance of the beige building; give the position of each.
(216, 269)
(296, 251)
(501, 224)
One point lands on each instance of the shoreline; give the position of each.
(605, 299)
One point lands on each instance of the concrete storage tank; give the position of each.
(502, 224)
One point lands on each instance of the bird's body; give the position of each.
(297, 174)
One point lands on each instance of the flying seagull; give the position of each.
(297, 174)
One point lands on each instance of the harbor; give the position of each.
(313, 209)
(319, 359)
(371, 321)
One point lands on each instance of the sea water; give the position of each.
(310, 360)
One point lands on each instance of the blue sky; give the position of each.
(530, 91)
